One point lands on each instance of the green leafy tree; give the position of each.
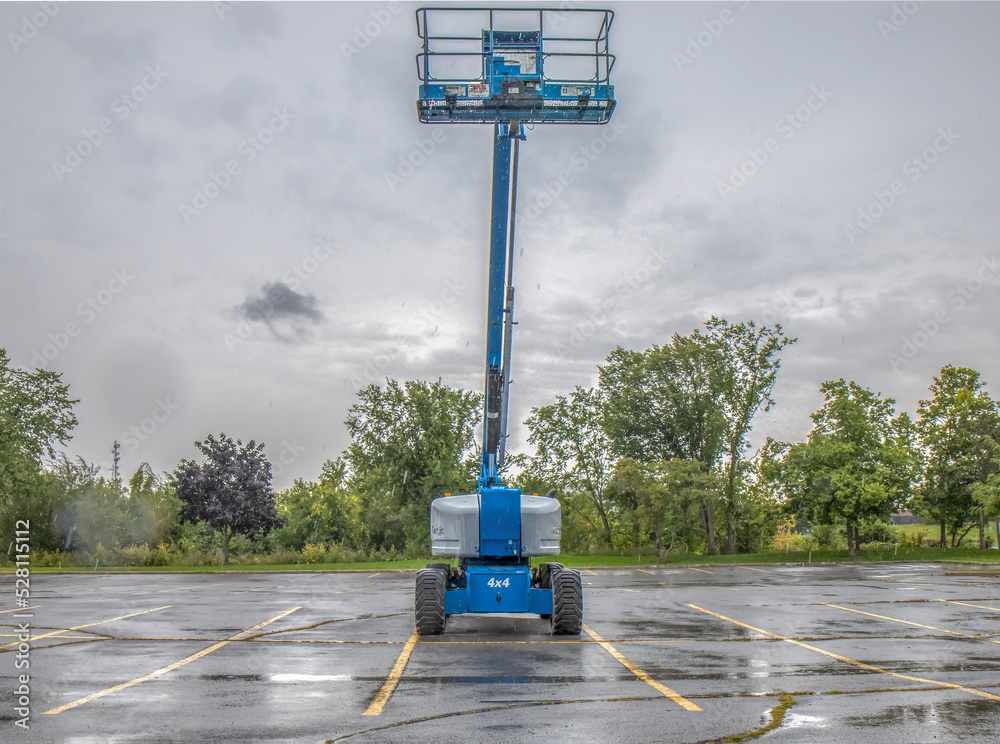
(695, 399)
(322, 511)
(750, 363)
(664, 403)
(957, 428)
(987, 494)
(97, 509)
(573, 452)
(857, 464)
(410, 444)
(761, 507)
(230, 489)
(670, 498)
(36, 413)
(154, 507)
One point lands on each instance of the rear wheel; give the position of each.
(428, 601)
(545, 573)
(567, 602)
(545, 578)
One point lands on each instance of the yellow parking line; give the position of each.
(21, 609)
(592, 573)
(88, 625)
(908, 622)
(645, 571)
(751, 568)
(846, 660)
(375, 709)
(374, 575)
(680, 700)
(699, 569)
(966, 604)
(168, 668)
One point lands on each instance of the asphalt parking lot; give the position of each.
(867, 653)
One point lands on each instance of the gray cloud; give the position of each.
(400, 292)
(285, 312)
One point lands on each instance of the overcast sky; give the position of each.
(208, 223)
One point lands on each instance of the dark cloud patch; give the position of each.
(285, 312)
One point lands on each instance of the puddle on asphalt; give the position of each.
(797, 720)
(957, 717)
(311, 677)
(646, 629)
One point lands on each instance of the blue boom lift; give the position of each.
(506, 67)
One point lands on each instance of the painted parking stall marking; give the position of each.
(853, 662)
(88, 625)
(169, 668)
(378, 704)
(910, 622)
(679, 699)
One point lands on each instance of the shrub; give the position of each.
(827, 536)
(314, 553)
(786, 540)
(914, 539)
(132, 555)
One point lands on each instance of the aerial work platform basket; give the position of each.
(555, 68)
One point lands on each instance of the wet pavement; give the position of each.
(902, 653)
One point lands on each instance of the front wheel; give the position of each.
(428, 601)
(567, 602)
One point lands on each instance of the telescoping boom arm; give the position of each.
(500, 298)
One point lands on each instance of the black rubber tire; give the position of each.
(545, 573)
(428, 601)
(567, 602)
(444, 568)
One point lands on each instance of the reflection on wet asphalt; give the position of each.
(727, 640)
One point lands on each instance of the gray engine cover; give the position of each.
(455, 526)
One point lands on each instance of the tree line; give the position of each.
(654, 457)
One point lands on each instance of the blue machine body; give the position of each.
(498, 588)
(508, 78)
